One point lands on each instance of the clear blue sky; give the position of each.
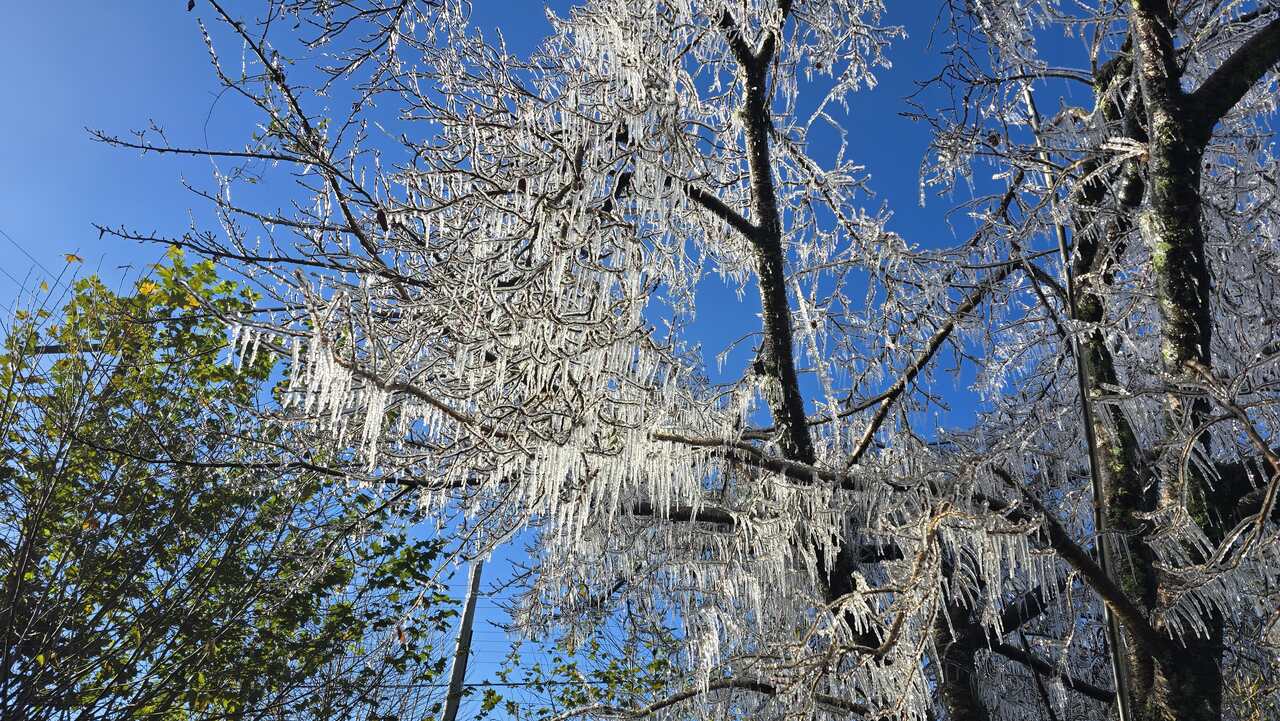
(113, 65)
(121, 65)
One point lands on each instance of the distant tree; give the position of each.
(158, 562)
(495, 262)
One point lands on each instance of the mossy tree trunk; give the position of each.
(1183, 681)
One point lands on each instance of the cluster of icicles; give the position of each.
(612, 494)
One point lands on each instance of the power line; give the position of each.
(55, 279)
(29, 255)
(9, 275)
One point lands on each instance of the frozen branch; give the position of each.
(831, 703)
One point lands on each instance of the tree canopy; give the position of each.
(488, 295)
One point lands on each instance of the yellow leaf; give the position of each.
(44, 286)
(73, 258)
(192, 301)
(147, 287)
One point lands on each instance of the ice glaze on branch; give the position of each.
(918, 364)
(834, 703)
(718, 208)
(1240, 72)
(1044, 668)
(1122, 605)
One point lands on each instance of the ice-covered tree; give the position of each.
(489, 275)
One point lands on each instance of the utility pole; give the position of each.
(462, 651)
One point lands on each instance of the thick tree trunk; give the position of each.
(1186, 684)
(1188, 687)
(958, 642)
(777, 359)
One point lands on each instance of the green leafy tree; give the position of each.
(159, 563)
(615, 667)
